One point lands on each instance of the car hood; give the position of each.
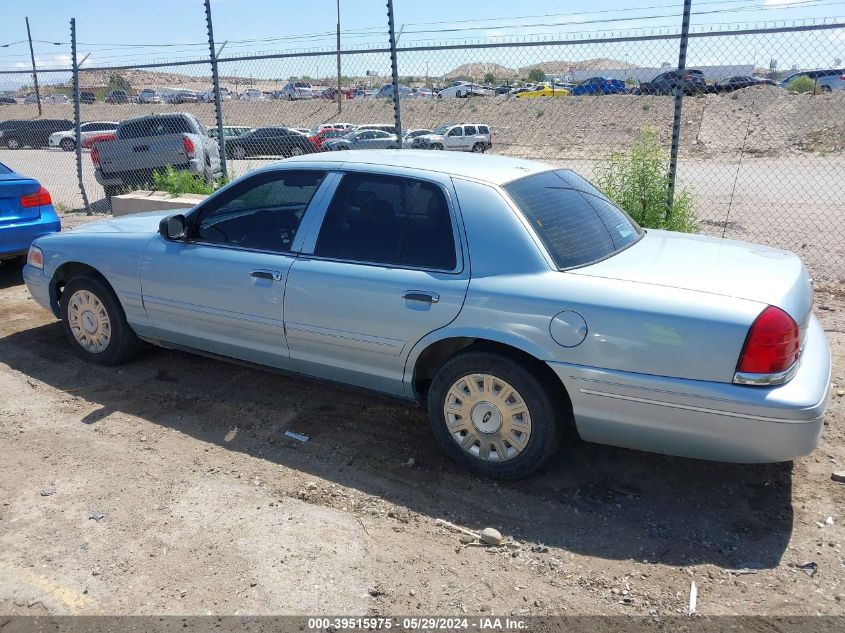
(135, 223)
(716, 266)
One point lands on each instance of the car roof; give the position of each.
(493, 169)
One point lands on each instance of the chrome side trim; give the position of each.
(765, 380)
(686, 407)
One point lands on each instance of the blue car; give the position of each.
(26, 213)
(599, 85)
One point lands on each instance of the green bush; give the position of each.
(638, 181)
(803, 84)
(176, 182)
(536, 75)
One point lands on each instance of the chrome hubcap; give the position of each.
(89, 322)
(487, 417)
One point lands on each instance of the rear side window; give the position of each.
(388, 220)
(577, 227)
(483, 129)
(470, 130)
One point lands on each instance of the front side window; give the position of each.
(576, 226)
(388, 220)
(456, 131)
(262, 213)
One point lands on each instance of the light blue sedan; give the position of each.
(510, 297)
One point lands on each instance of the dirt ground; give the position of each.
(167, 486)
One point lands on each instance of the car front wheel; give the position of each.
(238, 152)
(68, 144)
(94, 322)
(493, 415)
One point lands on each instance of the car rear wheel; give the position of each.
(238, 152)
(94, 322)
(437, 146)
(478, 147)
(493, 415)
(296, 150)
(68, 144)
(13, 143)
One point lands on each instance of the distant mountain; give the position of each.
(477, 71)
(561, 66)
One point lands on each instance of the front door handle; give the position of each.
(273, 275)
(421, 295)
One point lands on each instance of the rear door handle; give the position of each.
(421, 295)
(273, 275)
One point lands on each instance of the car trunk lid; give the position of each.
(716, 266)
(12, 187)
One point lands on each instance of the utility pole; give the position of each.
(34, 74)
(679, 100)
(339, 95)
(77, 132)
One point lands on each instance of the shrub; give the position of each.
(536, 75)
(638, 181)
(803, 84)
(176, 182)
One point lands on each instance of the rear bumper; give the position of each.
(704, 420)
(16, 238)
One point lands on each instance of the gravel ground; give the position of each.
(167, 486)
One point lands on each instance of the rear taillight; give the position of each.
(188, 144)
(771, 348)
(37, 199)
(95, 156)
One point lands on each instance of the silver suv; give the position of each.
(465, 137)
(297, 90)
(827, 80)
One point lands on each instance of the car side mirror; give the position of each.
(173, 227)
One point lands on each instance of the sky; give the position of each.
(127, 32)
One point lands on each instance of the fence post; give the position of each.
(394, 70)
(215, 80)
(77, 117)
(679, 99)
(339, 95)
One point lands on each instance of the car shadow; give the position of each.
(10, 274)
(594, 500)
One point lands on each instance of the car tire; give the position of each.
(539, 421)
(68, 144)
(296, 150)
(13, 143)
(479, 148)
(437, 146)
(458, 94)
(238, 152)
(95, 324)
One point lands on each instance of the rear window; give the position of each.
(158, 126)
(577, 224)
(4, 169)
(483, 129)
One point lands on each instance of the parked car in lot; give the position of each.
(326, 134)
(91, 141)
(26, 213)
(149, 95)
(543, 91)
(460, 89)
(228, 130)
(252, 94)
(386, 92)
(208, 96)
(297, 90)
(690, 81)
(152, 143)
(467, 137)
(570, 314)
(269, 141)
(30, 98)
(87, 97)
(67, 139)
(826, 80)
(737, 83)
(55, 99)
(599, 86)
(4, 100)
(362, 139)
(408, 136)
(181, 96)
(117, 96)
(31, 133)
(334, 126)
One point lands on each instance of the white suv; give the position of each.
(466, 137)
(461, 89)
(297, 90)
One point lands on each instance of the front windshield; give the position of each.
(442, 129)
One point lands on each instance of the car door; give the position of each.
(385, 269)
(221, 290)
(454, 138)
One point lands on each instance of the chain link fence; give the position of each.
(759, 160)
